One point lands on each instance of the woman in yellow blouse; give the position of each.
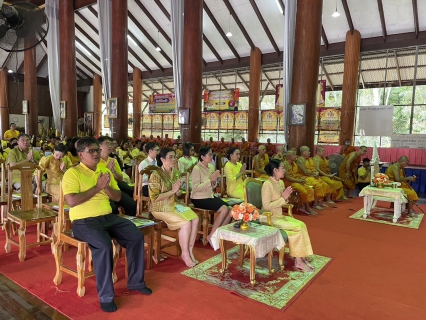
(274, 196)
(187, 162)
(235, 174)
(55, 166)
(164, 187)
(259, 162)
(204, 179)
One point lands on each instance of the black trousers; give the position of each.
(362, 185)
(97, 232)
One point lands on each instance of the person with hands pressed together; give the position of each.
(21, 153)
(204, 179)
(396, 173)
(87, 189)
(348, 168)
(164, 187)
(364, 174)
(274, 196)
(235, 174)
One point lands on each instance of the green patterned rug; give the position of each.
(274, 290)
(385, 215)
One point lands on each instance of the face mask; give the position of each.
(47, 153)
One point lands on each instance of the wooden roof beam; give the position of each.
(398, 72)
(382, 19)
(416, 18)
(153, 21)
(85, 66)
(82, 72)
(220, 30)
(265, 26)
(41, 63)
(240, 25)
(348, 16)
(324, 37)
(327, 76)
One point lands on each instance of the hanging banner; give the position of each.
(162, 103)
(157, 121)
(279, 97)
(212, 121)
(221, 100)
(281, 120)
(168, 121)
(328, 137)
(146, 122)
(321, 93)
(227, 120)
(175, 122)
(241, 120)
(106, 121)
(329, 119)
(269, 120)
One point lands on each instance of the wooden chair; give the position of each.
(26, 214)
(138, 195)
(3, 197)
(223, 182)
(64, 236)
(253, 195)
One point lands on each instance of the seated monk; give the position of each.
(233, 144)
(270, 148)
(212, 145)
(297, 182)
(259, 162)
(204, 143)
(255, 147)
(245, 147)
(396, 173)
(307, 169)
(323, 167)
(223, 146)
(167, 141)
(349, 166)
(160, 142)
(280, 154)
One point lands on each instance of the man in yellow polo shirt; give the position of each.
(87, 188)
(12, 133)
(364, 174)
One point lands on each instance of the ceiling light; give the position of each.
(10, 71)
(229, 34)
(335, 14)
(279, 6)
(158, 41)
(131, 39)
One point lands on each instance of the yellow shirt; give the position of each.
(104, 163)
(361, 172)
(80, 179)
(52, 146)
(18, 155)
(9, 134)
(202, 187)
(234, 187)
(52, 168)
(74, 160)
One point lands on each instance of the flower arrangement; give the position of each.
(245, 212)
(381, 179)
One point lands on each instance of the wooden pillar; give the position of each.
(254, 93)
(30, 91)
(97, 104)
(193, 66)
(68, 67)
(4, 103)
(305, 69)
(350, 86)
(119, 63)
(137, 102)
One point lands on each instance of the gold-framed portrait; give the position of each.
(112, 107)
(24, 106)
(63, 109)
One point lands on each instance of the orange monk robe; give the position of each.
(233, 145)
(167, 143)
(213, 146)
(305, 192)
(408, 190)
(353, 180)
(348, 150)
(270, 149)
(262, 163)
(320, 187)
(254, 149)
(245, 148)
(222, 147)
(336, 186)
(204, 144)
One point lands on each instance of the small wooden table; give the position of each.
(395, 195)
(260, 239)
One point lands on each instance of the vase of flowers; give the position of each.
(244, 213)
(380, 179)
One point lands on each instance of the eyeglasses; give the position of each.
(92, 151)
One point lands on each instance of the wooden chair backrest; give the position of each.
(148, 171)
(222, 181)
(3, 179)
(61, 211)
(26, 172)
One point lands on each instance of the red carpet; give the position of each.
(377, 272)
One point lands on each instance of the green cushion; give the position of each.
(254, 194)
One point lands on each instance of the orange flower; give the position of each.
(246, 217)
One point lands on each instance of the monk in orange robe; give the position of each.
(396, 173)
(259, 162)
(307, 170)
(323, 167)
(270, 148)
(348, 168)
(223, 146)
(297, 182)
(256, 145)
(167, 141)
(233, 144)
(245, 147)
